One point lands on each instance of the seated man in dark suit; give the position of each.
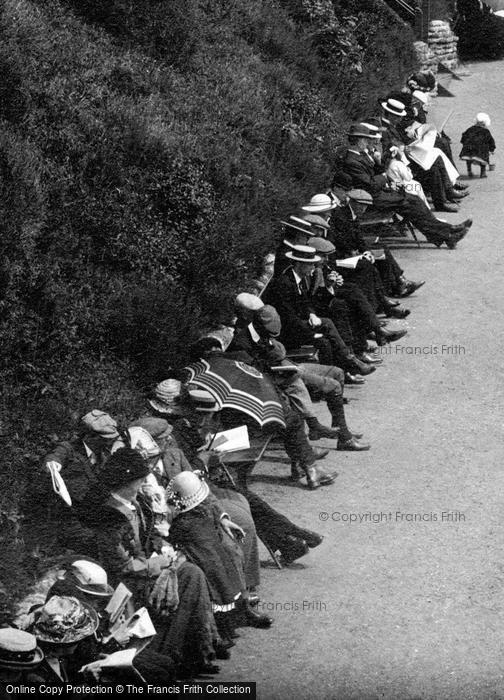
(367, 173)
(289, 294)
(346, 235)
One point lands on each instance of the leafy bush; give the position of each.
(481, 34)
(147, 152)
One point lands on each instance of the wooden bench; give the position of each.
(373, 219)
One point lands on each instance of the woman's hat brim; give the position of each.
(88, 631)
(99, 594)
(161, 407)
(204, 494)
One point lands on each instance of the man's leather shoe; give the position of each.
(389, 336)
(357, 436)
(352, 445)
(461, 186)
(255, 619)
(391, 302)
(354, 379)
(460, 227)
(409, 287)
(360, 367)
(312, 539)
(448, 206)
(292, 548)
(370, 360)
(457, 194)
(397, 313)
(325, 479)
(455, 237)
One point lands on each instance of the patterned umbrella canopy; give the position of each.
(239, 386)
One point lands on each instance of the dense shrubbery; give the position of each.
(481, 33)
(146, 150)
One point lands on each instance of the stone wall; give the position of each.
(443, 43)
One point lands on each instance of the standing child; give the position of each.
(477, 144)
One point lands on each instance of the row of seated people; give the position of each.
(153, 508)
(400, 159)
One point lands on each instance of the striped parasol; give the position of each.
(238, 386)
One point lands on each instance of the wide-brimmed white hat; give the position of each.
(303, 253)
(90, 578)
(320, 203)
(394, 107)
(187, 490)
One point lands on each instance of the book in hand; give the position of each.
(138, 625)
(349, 263)
(118, 602)
(231, 440)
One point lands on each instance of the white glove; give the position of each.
(314, 321)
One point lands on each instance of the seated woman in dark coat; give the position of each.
(132, 554)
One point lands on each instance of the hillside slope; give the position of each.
(146, 152)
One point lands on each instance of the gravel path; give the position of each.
(398, 608)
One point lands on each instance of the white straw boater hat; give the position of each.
(187, 491)
(320, 203)
(203, 401)
(18, 649)
(303, 253)
(394, 107)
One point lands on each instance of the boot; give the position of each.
(293, 548)
(317, 431)
(356, 366)
(312, 539)
(251, 618)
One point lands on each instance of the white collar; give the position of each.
(354, 215)
(90, 454)
(352, 150)
(253, 333)
(297, 277)
(123, 501)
